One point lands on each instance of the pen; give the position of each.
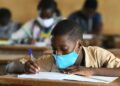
(30, 53)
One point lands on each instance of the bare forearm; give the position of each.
(107, 71)
(96, 71)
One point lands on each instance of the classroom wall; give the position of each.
(23, 10)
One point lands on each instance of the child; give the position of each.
(70, 56)
(37, 31)
(88, 18)
(7, 25)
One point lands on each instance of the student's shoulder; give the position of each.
(75, 14)
(98, 50)
(59, 18)
(29, 22)
(94, 48)
(97, 15)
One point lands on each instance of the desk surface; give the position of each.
(14, 81)
(22, 47)
(10, 53)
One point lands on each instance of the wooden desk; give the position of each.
(23, 49)
(10, 53)
(14, 81)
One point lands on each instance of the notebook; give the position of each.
(61, 76)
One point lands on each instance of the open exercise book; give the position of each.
(61, 76)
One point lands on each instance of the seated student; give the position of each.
(70, 56)
(39, 29)
(89, 20)
(7, 26)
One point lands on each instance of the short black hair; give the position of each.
(67, 28)
(5, 13)
(47, 4)
(93, 4)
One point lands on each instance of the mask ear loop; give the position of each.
(77, 50)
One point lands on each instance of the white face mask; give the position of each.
(46, 22)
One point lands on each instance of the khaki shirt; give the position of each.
(95, 57)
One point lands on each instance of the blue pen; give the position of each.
(30, 53)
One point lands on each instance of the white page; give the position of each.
(61, 76)
(104, 78)
(45, 75)
(100, 79)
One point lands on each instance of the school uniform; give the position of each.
(34, 29)
(87, 24)
(7, 30)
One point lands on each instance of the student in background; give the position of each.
(37, 31)
(88, 19)
(70, 56)
(7, 26)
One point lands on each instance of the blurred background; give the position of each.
(25, 10)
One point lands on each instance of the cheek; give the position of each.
(71, 48)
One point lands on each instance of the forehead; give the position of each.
(61, 40)
(47, 11)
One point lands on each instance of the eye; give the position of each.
(64, 48)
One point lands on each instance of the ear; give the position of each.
(79, 43)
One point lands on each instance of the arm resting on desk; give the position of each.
(15, 67)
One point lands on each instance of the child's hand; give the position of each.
(83, 71)
(31, 67)
(71, 68)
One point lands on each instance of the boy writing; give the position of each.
(70, 56)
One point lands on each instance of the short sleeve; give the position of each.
(74, 16)
(107, 59)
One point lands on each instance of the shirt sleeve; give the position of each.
(74, 16)
(23, 32)
(14, 67)
(45, 63)
(97, 19)
(107, 59)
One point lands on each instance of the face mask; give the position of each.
(46, 22)
(67, 60)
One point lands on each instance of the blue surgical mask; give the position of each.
(65, 61)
